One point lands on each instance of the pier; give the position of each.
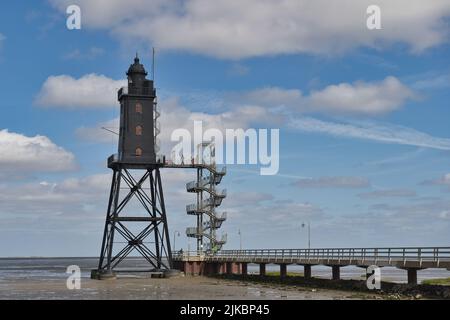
(410, 259)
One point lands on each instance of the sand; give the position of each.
(182, 287)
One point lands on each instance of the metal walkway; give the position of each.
(194, 165)
(402, 257)
(411, 259)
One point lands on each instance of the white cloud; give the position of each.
(414, 212)
(284, 215)
(174, 116)
(238, 69)
(391, 225)
(444, 180)
(86, 196)
(388, 193)
(433, 81)
(273, 96)
(445, 214)
(397, 159)
(98, 133)
(240, 29)
(54, 197)
(90, 184)
(247, 198)
(69, 214)
(2, 40)
(72, 211)
(89, 91)
(332, 182)
(32, 154)
(89, 54)
(265, 213)
(262, 106)
(363, 98)
(386, 133)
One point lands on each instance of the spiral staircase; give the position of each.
(209, 198)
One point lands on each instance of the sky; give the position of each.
(363, 117)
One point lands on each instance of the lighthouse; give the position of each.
(136, 177)
(137, 118)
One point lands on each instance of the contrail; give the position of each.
(385, 133)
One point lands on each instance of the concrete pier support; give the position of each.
(197, 268)
(189, 268)
(206, 268)
(336, 272)
(212, 268)
(229, 268)
(236, 268)
(412, 276)
(215, 268)
(222, 268)
(177, 265)
(262, 269)
(307, 271)
(283, 270)
(244, 268)
(194, 268)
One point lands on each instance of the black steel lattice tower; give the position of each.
(136, 168)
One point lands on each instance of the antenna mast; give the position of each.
(153, 64)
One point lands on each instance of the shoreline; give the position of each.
(176, 288)
(222, 287)
(45, 278)
(389, 290)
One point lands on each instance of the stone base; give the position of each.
(153, 274)
(103, 275)
(172, 273)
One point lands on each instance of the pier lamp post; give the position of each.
(309, 233)
(175, 233)
(240, 239)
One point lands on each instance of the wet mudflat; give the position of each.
(185, 288)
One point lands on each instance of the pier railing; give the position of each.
(399, 253)
(388, 255)
(411, 259)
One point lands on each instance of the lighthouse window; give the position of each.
(138, 130)
(138, 108)
(138, 152)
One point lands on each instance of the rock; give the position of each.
(418, 296)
